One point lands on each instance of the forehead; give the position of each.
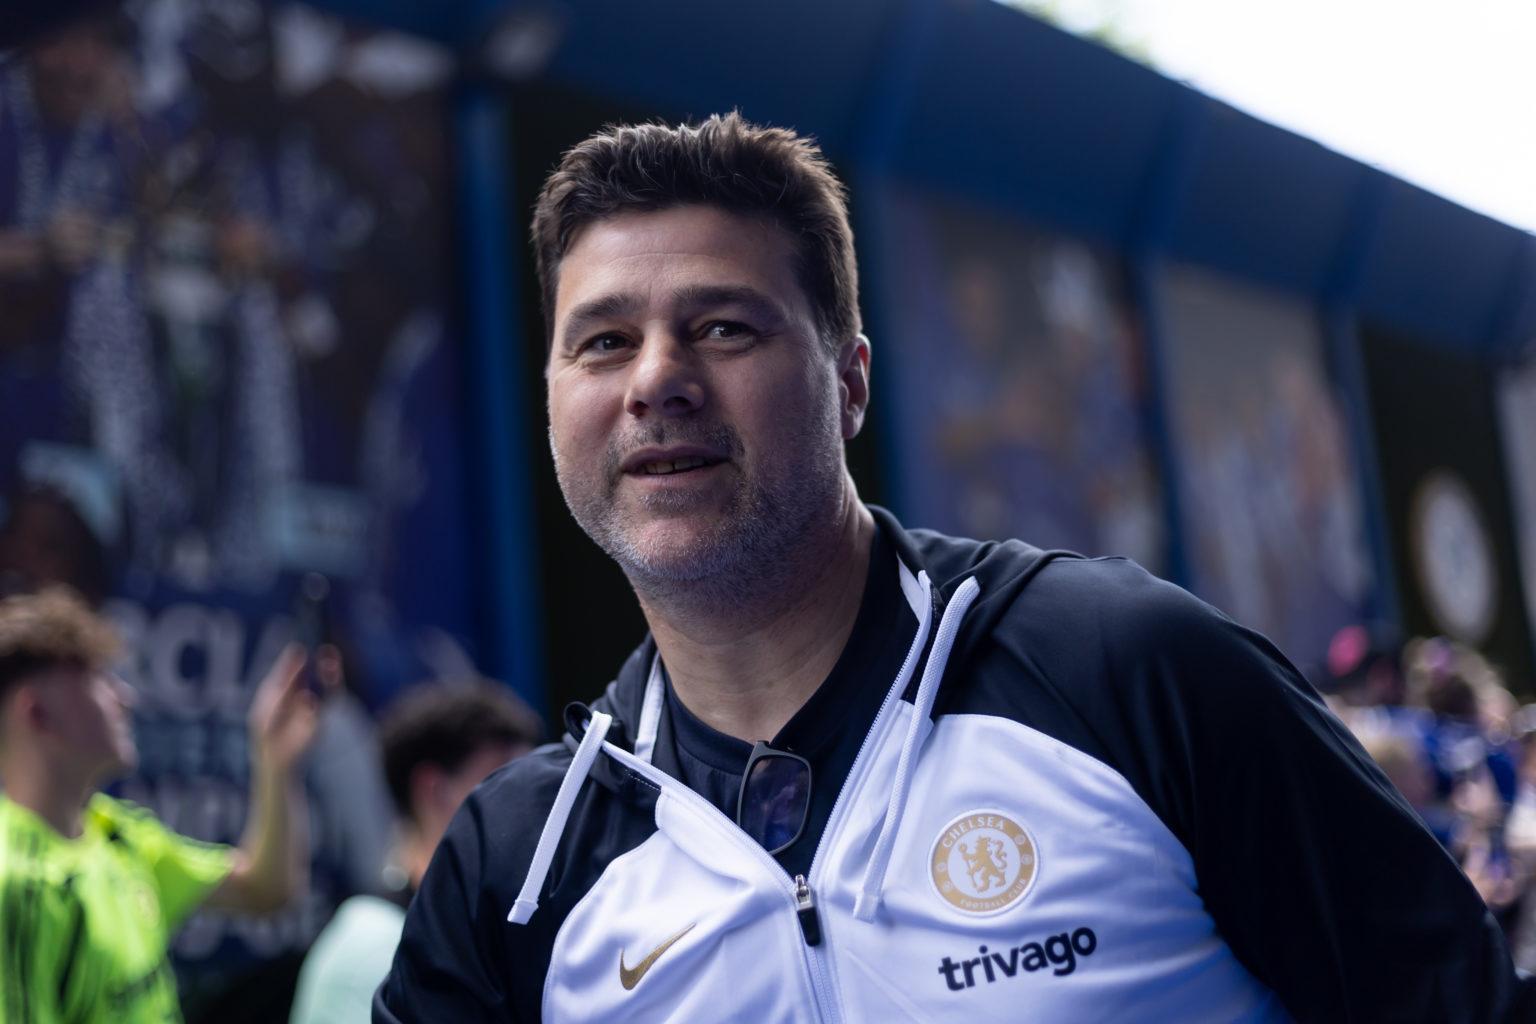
(651, 255)
(58, 680)
(68, 672)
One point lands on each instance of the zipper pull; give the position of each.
(805, 907)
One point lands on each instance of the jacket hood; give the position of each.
(1002, 568)
(622, 698)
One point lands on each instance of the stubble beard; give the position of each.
(743, 552)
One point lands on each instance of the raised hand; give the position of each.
(284, 714)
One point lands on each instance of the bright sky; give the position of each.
(1442, 94)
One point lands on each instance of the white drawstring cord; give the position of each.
(650, 712)
(927, 692)
(874, 878)
(554, 825)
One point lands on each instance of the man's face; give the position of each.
(695, 417)
(85, 715)
(69, 71)
(41, 543)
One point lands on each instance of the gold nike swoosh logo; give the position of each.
(629, 977)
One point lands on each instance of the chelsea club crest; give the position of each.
(983, 862)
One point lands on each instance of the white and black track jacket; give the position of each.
(1085, 796)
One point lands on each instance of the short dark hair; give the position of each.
(726, 162)
(447, 723)
(88, 571)
(51, 628)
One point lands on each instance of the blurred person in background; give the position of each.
(1468, 740)
(1435, 717)
(1477, 764)
(1520, 836)
(76, 355)
(1363, 681)
(439, 741)
(44, 539)
(1364, 670)
(92, 888)
(68, 150)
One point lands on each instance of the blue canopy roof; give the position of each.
(976, 99)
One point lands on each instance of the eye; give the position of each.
(604, 344)
(726, 330)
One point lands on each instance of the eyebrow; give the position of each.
(705, 296)
(604, 307)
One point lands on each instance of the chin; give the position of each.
(678, 551)
(127, 762)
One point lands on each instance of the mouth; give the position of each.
(653, 462)
(668, 467)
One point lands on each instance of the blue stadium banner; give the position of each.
(227, 365)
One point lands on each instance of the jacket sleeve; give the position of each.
(1321, 878)
(185, 870)
(454, 939)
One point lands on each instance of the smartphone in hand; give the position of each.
(311, 621)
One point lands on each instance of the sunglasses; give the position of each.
(775, 797)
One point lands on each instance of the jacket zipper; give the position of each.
(816, 954)
(805, 900)
(805, 906)
(799, 894)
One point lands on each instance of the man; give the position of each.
(92, 888)
(999, 783)
(439, 741)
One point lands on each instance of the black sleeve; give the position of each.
(1321, 878)
(443, 969)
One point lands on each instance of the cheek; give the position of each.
(800, 410)
(108, 710)
(576, 414)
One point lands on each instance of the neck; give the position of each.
(415, 855)
(419, 835)
(51, 795)
(745, 667)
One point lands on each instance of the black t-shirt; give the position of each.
(712, 763)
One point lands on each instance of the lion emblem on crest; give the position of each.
(985, 862)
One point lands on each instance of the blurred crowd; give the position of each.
(1442, 723)
(380, 791)
(226, 362)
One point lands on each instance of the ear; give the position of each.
(853, 384)
(28, 710)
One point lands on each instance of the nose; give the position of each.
(665, 377)
(126, 695)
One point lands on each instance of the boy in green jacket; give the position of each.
(92, 888)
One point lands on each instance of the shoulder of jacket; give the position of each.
(1118, 592)
(949, 560)
(119, 819)
(525, 783)
(1103, 622)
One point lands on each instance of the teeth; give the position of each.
(675, 466)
